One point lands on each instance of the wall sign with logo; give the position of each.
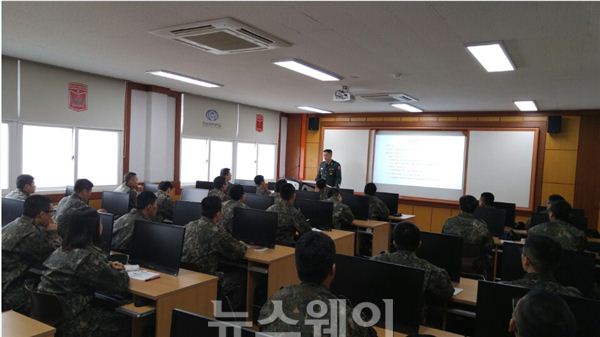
(260, 119)
(78, 93)
(212, 116)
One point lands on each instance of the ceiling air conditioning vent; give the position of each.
(387, 97)
(222, 36)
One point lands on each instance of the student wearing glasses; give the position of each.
(26, 242)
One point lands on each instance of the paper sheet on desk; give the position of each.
(457, 291)
(142, 275)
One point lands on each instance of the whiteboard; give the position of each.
(501, 162)
(351, 149)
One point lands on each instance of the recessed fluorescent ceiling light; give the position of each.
(407, 107)
(308, 70)
(183, 78)
(310, 108)
(492, 56)
(526, 105)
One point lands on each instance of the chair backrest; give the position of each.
(69, 190)
(45, 307)
(11, 209)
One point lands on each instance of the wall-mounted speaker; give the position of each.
(554, 124)
(313, 124)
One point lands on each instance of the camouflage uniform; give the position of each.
(295, 300)
(24, 244)
(123, 188)
(17, 194)
(65, 208)
(377, 208)
(205, 243)
(277, 197)
(74, 275)
(123, 229)
(569, 237)
(342, 214)
(219, 194)
(228, 208)
(323, 194)
(332, 173)
(437, 281)
(473, 230)
(289, 221)
(262, 191)
(165, 205)
(546, 282)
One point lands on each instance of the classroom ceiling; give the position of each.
(554, 45)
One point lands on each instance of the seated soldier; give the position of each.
(377, 208)
(476, 236)
(164, 201)
(25, 188)
(407, 238)
(130, 186)
(26, 242)
(206, 243)
(82, 191)
(315, 263)
(262, 188)
(558, 229)
(123, 228)
(541, 313)
(226, 174)
(78, 269)
(540, 259)
(342, 214)
(289, 219)
(278, 184)
(219, 187)
(486, 199)
(321, 187)
(237, 195)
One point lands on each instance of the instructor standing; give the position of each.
(330, 170)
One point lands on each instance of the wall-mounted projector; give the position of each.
(343, 95)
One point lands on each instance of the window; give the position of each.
(4, 157)
(48, 155)
(221, 156)
(253, 159)
(98, 156)
(246, 161)
(194, 160)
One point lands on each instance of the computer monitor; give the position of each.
(259, 201)
(390, 200)
(576, 269)
(308, 195)
(496, 302)
(116, 203)
(254, 226)
(346, 193)
(359, 204)
(245, 182)
(11, 209)
(207, 185)
(187, 324)
(69, 190)
(149, 187)
(509, 208)
(157, 246)
(318, 213)
(444, 251)
(271, 186)
(538, 218)
(193, 194)
(495, 218)
(249, 189)
(186, 211)
(106, 220)
(363, 280)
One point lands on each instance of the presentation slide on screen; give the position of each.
(420, 162)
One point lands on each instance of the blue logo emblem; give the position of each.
(212, 115)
